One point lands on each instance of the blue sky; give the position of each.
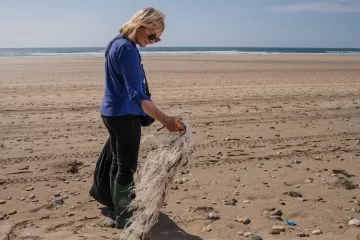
(235, 23)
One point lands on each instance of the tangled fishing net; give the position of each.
(155, 178)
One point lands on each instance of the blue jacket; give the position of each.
(124, 79)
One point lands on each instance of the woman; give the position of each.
(125, 102)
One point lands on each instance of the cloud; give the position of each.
(340, 6)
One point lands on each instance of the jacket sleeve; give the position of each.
(132, 73)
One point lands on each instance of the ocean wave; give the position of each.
(17, 53)
(187, 53)
(177, 53)
(90, 54)
(344, 52)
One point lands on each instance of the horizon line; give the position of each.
(183, 47)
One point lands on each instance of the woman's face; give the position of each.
(145, 36)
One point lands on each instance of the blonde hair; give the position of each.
(146, 17)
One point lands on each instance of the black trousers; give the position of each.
(125, 134)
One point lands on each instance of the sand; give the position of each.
(262, 125)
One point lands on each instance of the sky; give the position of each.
(189, 23)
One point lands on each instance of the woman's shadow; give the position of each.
(165, 228)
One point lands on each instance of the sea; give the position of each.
(176, 51)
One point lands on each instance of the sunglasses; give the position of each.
(152, 36)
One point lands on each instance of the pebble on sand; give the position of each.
(57, 194)
(247, 234)
(213, 215)
(274, 232)
(239, 219)
(29, 188)
(26, 167)
(230, 202)
(109, 223)
(272, 213)
(2, 201)
(279, 228)
(300, 234)
(317, 232)
(246, 221)
(57, 201)
(12, 212)
(293, 194)
(354, 222)
(309, 180)
(277, 212)
(207, 228)
(174, 187)
(254, 237)
(70, 214)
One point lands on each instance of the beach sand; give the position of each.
(265, 128)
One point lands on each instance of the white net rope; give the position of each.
(155, 178)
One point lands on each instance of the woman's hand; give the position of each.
(172, 124)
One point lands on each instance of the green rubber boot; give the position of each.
(111, 214)
(112, 180)
(122, 199)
